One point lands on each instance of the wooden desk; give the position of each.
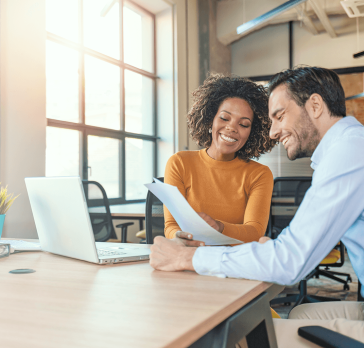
(71, 303)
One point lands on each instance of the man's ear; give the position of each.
(315, 105)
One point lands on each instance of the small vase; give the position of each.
(2, 219)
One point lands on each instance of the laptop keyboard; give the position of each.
(103, 252)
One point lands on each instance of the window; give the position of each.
(101, 103)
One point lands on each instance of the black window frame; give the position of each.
(87, 130)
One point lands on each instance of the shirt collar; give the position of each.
(331, 135)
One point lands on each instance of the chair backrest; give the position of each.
(154, 216)
(360, 297)
(101, 221)
(288, 193)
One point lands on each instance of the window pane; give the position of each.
(139, 164)
(62, 152)
(139, 107)
(62, 82)
(104, 163)
(62, 18)
(102, 93)
(138, 38)
(101, 26)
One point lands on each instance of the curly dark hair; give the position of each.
(207, 100)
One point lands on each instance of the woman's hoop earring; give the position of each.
(210, 130)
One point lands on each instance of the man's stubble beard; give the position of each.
(309, 137)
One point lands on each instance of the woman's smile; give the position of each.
(227, 138)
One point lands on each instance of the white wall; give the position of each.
(321, 50)
(280, 165)
(22, 114)
(165, 88)
(182, 18)
(193, 59)
(264, 52)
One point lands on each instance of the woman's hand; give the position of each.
(187, 239)
(262, 240)
(217, 225)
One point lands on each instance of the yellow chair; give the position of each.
(334, 259)
(142, 234)
(331, 260)
(275, 315)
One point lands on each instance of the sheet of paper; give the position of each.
(187, 219)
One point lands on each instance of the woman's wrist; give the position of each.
(221, 226)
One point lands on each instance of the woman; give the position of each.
(231, 192)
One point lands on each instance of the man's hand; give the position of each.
(187, 239)
(217, 225)
(262, 240)
(171, 255)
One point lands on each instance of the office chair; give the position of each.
(101, 221)
(288, 194)
(360, 297)
(154, 217)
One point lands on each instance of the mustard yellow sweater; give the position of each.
(236, 192)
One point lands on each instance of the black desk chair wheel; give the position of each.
(101, 221)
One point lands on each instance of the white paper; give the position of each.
(187, 219)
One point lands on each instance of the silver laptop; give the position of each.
(64, 227)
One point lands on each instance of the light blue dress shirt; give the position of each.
(332, 210)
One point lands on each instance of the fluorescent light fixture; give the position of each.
(264, 18)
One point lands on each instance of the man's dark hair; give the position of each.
(302, 82)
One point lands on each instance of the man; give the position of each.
(307, 110)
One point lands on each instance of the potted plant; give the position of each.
(6, 200)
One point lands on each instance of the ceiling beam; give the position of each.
(229, 36)
(302, 15)
(322, 16)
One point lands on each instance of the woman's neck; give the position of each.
(218, 156)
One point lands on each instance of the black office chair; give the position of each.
(101, 221)
(288, 194)
(154, 216)
(360, 297)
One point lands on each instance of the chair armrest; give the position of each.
(124, 229)
(125, 224)
(327, 338)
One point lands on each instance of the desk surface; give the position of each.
(71, 303)
(123, 210)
